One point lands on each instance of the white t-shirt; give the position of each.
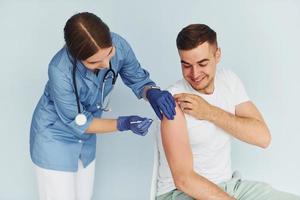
(210, 144)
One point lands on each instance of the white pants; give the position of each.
(61, 185)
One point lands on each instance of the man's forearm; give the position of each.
(250, 130)
(200, 188)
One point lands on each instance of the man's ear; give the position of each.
(218, 54)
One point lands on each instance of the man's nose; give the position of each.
(195, 71)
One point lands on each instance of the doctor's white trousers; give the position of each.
(60, 185)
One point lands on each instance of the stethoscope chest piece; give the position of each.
(80, 119)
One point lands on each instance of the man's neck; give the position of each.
(209, 89)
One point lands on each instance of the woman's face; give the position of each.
(100, 59)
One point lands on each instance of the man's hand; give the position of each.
(194, 105)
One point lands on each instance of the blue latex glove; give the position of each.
(162, 101)
(138, 125)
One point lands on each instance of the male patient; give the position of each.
(212, 106)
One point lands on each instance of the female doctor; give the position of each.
(81, 77)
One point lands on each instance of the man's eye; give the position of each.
(203, 64)
(186, 66)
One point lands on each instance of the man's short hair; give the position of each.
(195, 34)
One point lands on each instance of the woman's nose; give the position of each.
(104, 64)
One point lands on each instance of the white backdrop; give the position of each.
(259, 41)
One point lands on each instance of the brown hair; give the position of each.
(195, 34)
(85, 34)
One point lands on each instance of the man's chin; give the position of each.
(198, 87)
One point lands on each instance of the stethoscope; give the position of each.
(81, 118)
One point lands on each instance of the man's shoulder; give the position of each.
(226, 76)
(230, 84)
(223, 72)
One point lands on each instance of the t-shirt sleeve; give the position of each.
(238, 89)
(176, 88)
(171, 90)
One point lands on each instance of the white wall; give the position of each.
(259, 41)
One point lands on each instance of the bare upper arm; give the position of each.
(176, 144)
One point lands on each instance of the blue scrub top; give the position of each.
(56, 141)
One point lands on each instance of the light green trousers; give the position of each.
(240, 190)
